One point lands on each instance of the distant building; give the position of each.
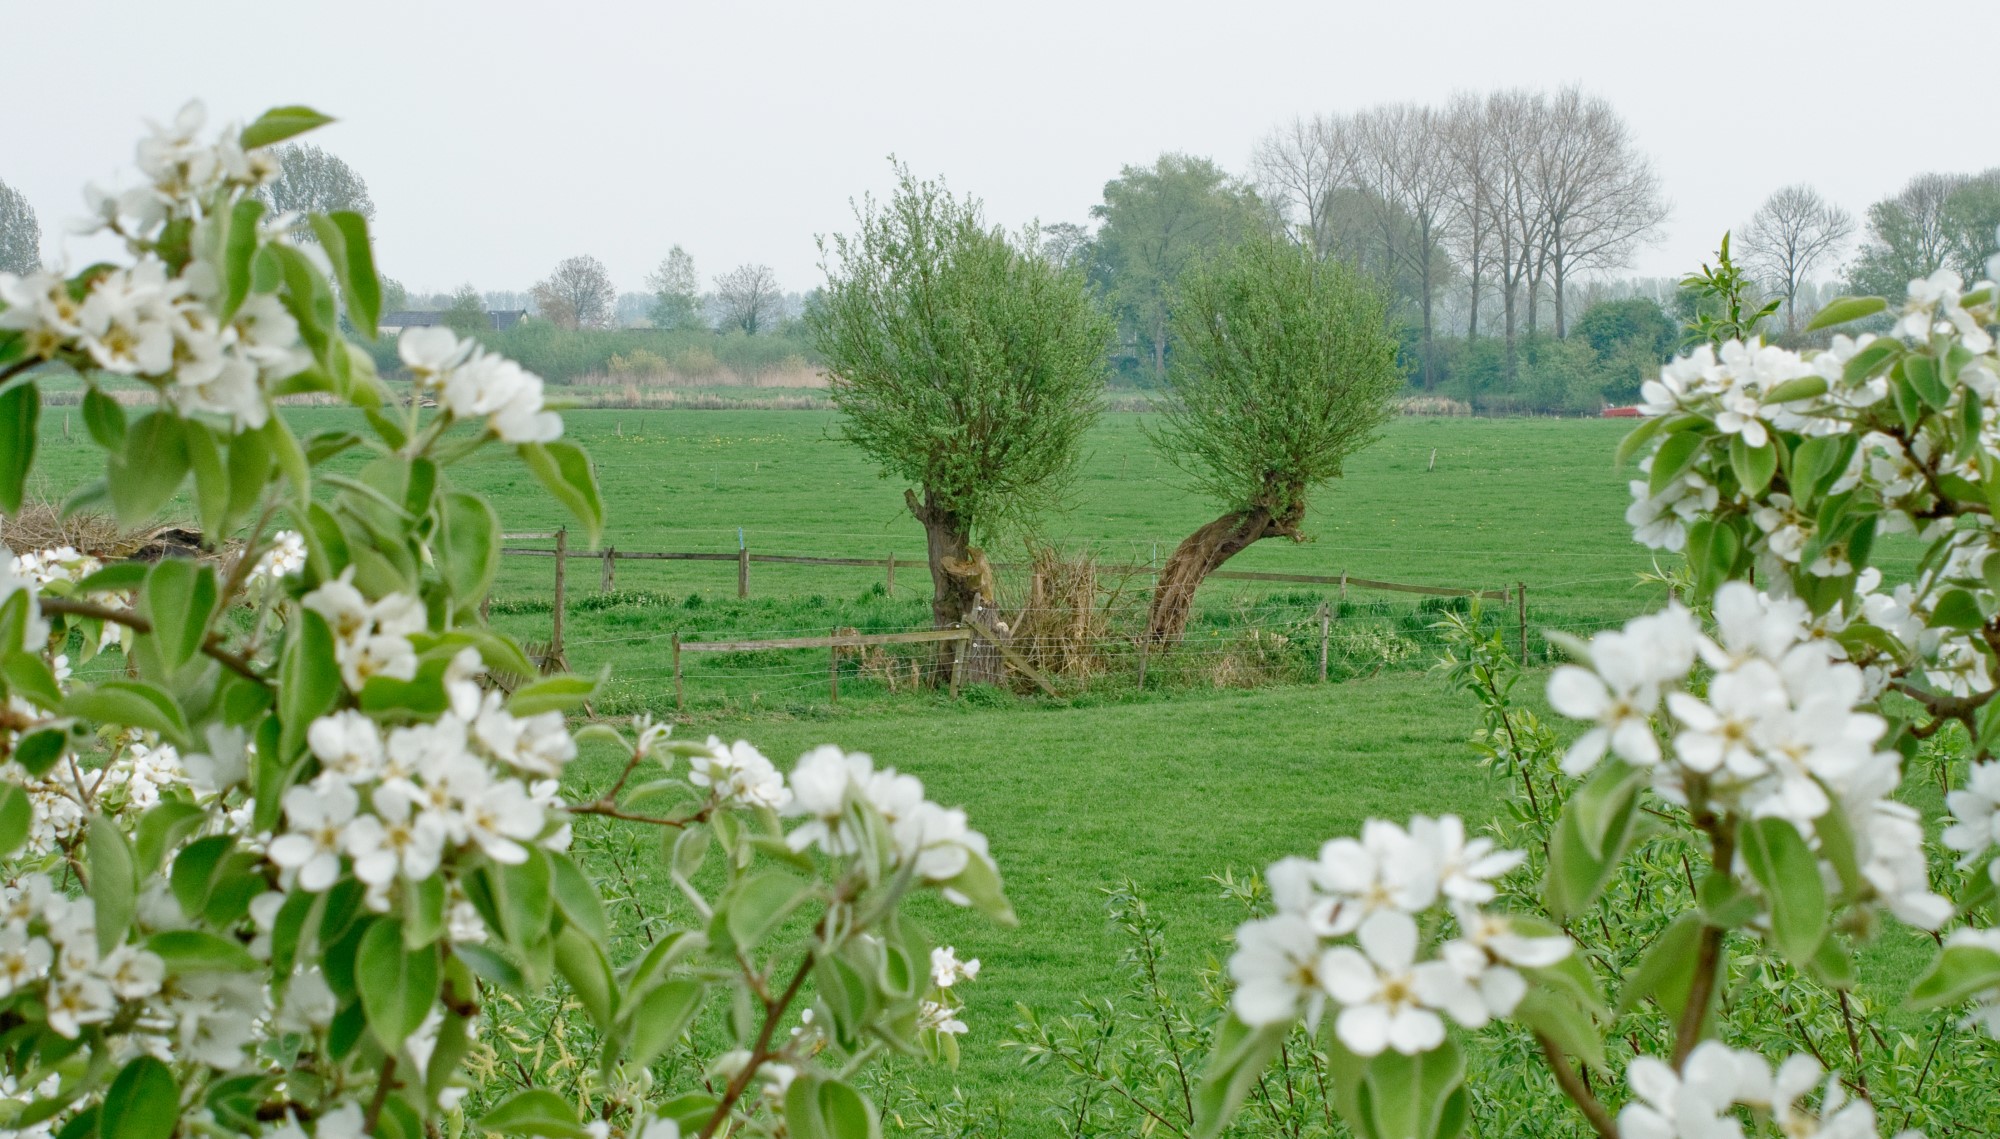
(499, 320)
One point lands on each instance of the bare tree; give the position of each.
(20, 233)
(578, 294)
(749, 297)
(1791, 233)
(1405, 146)
(1514, 122)
(1297, 168)
(1598, 197)
(311, 180)
(1469, 154)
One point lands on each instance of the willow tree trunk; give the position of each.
(954, 592)
(1201, 554)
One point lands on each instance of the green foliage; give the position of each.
(963, 363)
(1935, 221)
(1725, 302)
(1155, 222)
(1283, 368)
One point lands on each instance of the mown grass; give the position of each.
(1165, 793)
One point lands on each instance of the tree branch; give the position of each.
(1579, 1094)
(211, 646)
(774, 1010)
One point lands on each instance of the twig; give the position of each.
(211, 646)
(607, 809)
(1708, 956)
(382, 1083)
(760, 1051)
(1853, 1042)
(1573, 1087)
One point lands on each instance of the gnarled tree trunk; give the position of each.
(960, 581)
(1201, 554)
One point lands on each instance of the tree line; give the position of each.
(1492, 223)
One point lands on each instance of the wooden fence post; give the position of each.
(680, 703)
(1521, 598)
(610, 580)
(833, 668)
(1343, 587)
(958, 662)
(742, 571)
(562, 564)
(1325, 635)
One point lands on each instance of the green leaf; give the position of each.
(1957, 609)
(1590, 839)
(1922, 373)
(148, 471)
(114, 881)
(398, 986)
(309, 682)
(578, 899)
(354, 266)
(1841, 310)
(1797, 388)
(197, 951)
(16, 816)
(161, 829)
(29, 675)
(238, 252)
(581, 962)
(211, 478)
(216, 882)
(491, 967)
(1411, 1095)
(37, 751)
(1958, 972)
(845, 1113)
(132, 704)
(280, 123)
(659, 1018)
(104, 418)
(143, 1102)
(1784, 866)
(470, 546)
(752, 908)
(1676, 452)
(20, 416)
(180, 598)
(979, 884)
(564, 470)
(1237, 1060)
(1638, 437)
(533, 1112)
(1754, 466)
(1870, 360)
(553, 694)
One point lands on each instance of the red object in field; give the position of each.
(1621, 413)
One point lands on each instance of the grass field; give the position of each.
(1163, 787)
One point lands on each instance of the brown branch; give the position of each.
(382, 1085)
(759, 1052)
(605, 808)
(1708, 956)
(1579, 1093)
(211, 646)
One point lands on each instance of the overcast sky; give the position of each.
(498, 137)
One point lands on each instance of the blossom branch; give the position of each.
(211, 646)
(1708, 955)
(774, 1010)
(1579, 1093)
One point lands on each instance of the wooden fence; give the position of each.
(962, 636)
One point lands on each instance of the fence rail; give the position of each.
(964, 636)
(891, 564)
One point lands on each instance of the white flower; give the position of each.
(1384, 869)
(133, 973)
(1465, 982)
(318, 817)
(1465, 869)
(1377, 987)
(738, 773)
(820, 784)
(77, 999)
(1695, 1102)
(431, 352)
(1975, 809)
(24, 960)
(1276, 967)
(502, 817)
(539, 745)
(348, 746)
(947, 969)
(395, 841)
(287, 556)
(939, 1018)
